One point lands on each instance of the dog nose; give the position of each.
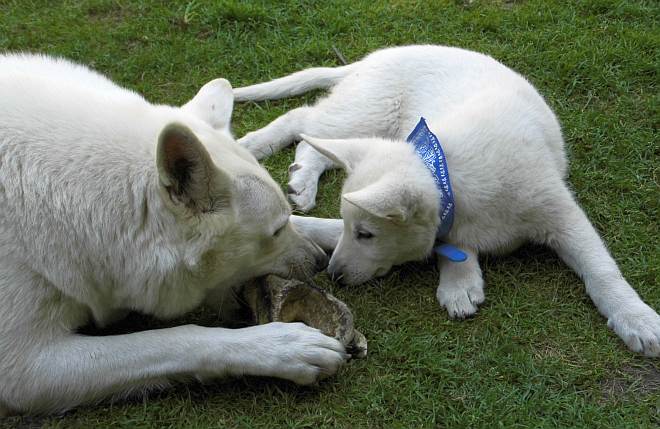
(336, 274)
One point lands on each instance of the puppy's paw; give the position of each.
(303, 186)
(461, 300)
(639, 327)
(296, 352)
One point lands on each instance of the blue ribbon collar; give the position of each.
(427, 146)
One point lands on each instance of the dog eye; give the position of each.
(364, 235)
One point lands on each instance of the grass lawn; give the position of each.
(538, 354)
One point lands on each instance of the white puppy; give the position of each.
(506, 161)
(109, 203)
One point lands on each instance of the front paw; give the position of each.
(639, 327)
(297, 352)
(461, 300)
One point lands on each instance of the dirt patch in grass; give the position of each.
(631, 380)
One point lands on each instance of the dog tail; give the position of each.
(294, 84)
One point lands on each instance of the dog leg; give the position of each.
(278, 134)
(461, 287)
(579, 246)
(47, 369)
(324, 232)
(304, 176)
(78, 369)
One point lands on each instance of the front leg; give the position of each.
(461, 287)
(278, 134)
(72, 370)
(324, 232)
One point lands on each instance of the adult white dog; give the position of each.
(109, 203)
(506, 160)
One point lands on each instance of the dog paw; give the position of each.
(460, 301)
(302, 187)
(639, 328)
(296, 352)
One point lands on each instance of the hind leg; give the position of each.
(278, 134)
(333, 118)
(340, 115)
(309, 164)
(304, 176)
(579, 245)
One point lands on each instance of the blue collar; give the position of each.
(427, 146)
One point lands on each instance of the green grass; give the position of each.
(537, 354)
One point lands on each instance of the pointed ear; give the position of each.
(213, 104)
(383, 200)
(187, 172)
(345, 153)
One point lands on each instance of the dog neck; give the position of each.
(428, 148)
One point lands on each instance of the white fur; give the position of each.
(108, 204)
(506, 159)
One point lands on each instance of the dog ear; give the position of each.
(213, 104)
(187, 172)
(382, 200)
(345, 153)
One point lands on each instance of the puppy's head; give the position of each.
(389, 207)
(233, 217)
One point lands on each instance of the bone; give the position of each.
(273, 299)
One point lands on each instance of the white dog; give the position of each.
(109, 203)
(506, 161)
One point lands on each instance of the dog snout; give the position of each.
(336, 273)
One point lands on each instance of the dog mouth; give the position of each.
(305, 271)
(304, 268)
(344, 278)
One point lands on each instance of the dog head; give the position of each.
(233, 217)
(389, 207)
